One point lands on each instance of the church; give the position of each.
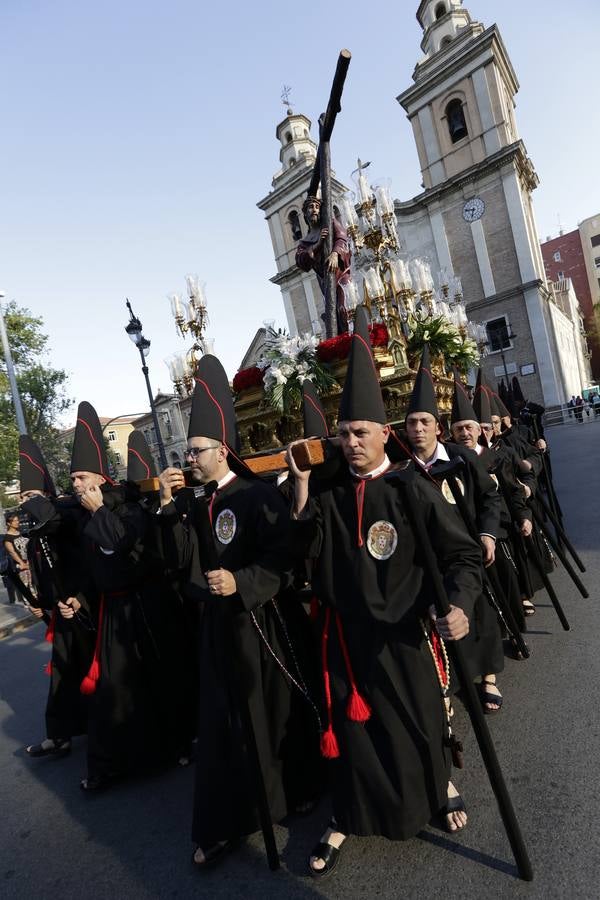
(474, 217)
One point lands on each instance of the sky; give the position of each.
(138, 135)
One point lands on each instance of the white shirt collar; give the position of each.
(378, 471)
(225, 480)
(439, 454)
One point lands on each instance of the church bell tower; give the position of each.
(478, 183)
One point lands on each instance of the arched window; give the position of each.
(445, 41)
(440, 10)
(175, 461)
(457, 125)
(288, 137)
(294, 220)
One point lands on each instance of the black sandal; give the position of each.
(213, 854)
(328, 853)
(454, 804)
(486, 697)
(59, 748)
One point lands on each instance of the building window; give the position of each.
(596, 240)
(498, 334)
(288, 137)
(445, 41)
(117, 457)
(294, 221)
(168, 426)
(175, 461)
(112, 436)
(440, 10)
(557, 256)
(597, 262)
(560, 276)
(457, 125)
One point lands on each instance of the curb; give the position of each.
(17, 625)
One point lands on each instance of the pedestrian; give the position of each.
(571, 405)
(579, 409)
(386, 722)
(596, 404)
(15, 544)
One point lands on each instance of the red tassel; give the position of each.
(50, 629)
(89, 683)
(314, 608)
(329, 744)
(358, 710)
(48, 667)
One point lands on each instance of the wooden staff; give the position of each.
(480, 728)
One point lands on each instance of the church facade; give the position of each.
(475, 215)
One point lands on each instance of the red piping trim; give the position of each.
(318, 410)
(95, 442)
(217, 404)
(141, 459)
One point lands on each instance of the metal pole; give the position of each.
(10, 369)
(161, 446)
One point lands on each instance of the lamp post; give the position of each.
(509, 334)
(134, 331)
(10, 370)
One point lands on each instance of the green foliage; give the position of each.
(444, 340)
(42, 390)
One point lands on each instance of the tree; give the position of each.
(42, 390)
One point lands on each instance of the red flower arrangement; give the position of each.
(247, 378)
(339, 347)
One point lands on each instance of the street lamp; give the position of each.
(508, 335)
(10, 371)
(134, 331)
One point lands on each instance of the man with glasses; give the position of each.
(250, 642)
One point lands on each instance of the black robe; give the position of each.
(128, 722)
(250, 524)
(392, 773)
(57, 573)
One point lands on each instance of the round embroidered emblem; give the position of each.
(225, 526)
(382, 539)
(448, 495)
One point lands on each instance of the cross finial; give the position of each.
(285, 97)
(361, 166)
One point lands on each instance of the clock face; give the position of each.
(473, 209)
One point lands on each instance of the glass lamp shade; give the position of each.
(383, 196)
(208, 345)
(348, 211)
(134, 330)
(351, 295)
(374, 283)
(193, 286)
(363, 189)
(400, 275)
(144, 345)
(179, 307)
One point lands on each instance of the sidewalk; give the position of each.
(13, 616)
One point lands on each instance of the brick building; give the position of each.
(565, 257)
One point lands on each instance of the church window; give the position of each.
(117, 457)
(557, 256)
(597, 262)
(596, 240)
(440, 10)
(497, 332)
(292, 162)
(560, 276)
(294, 221)
(457, 125)
(288, 137)
(445, 41)
(112, 436)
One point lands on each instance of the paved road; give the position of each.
(134, 841)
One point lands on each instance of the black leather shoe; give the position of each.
(58, 749)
